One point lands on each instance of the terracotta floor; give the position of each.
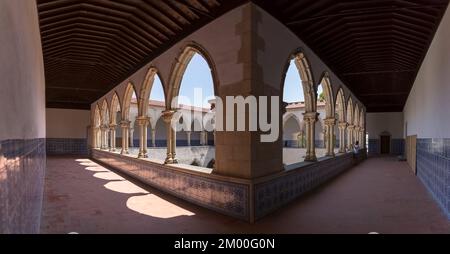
(380, 195)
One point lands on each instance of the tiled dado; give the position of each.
(230, 198)
(397, 146)
(243, 199)
(22, 167)
(76, 146)
(278, 191)
(433, 168)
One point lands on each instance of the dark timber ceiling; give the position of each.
(375, 46)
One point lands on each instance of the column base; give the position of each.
(124, 152)
(311, 158)
(171, 161)
(330, 154)
(142, 155)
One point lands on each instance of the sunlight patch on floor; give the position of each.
(155, 206)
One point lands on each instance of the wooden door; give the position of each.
(385, 144)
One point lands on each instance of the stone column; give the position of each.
(153, 137)
(125, 125)
(356, 134)
(342, 127)
(188, 134)
(95, 143)
(329, 123)
(130, 137)
(350, 129)
(104, 137)
(143, 122)
(171, 137)
(310, 120)
(363, 137)
(112, 137)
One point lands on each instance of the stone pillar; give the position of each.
(125, 125)
(329, 125)
(350, 129)
(310, 120)
(171, 137)
(363, 137)
(95, 143)
(143, 122)
(130, 137)
(112, 137)
(153, 137)
(356, 134)
(104, 137)
(342, 127)
(188, 134)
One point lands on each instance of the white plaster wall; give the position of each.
(67, 123)
(427, 111)
(380, 122)
(22, 91)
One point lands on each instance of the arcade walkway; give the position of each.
(379, 195)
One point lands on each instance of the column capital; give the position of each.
(357, 128)
(104, 127)
(143, 120)
(310, 116)
(329, 121)
(350, 126)
(167, 115)
(343, 125)
(112, 126)
(125, 124)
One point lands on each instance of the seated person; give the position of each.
(356, 148)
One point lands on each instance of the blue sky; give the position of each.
(198, 75)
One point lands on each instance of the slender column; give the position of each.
(350, 129)
(153, 138)
(125, 125)
(363, 137)
(112, 137)
(104, 136)
(95, 143)
(171, 137)
(130, 137)
(329, 123)
(188, 134)
(143, 122)
(342, 127)
(310, 120)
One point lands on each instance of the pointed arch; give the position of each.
(304, 70)
(340, 105)
(146, 89)
(126, 103)
(328, 92)
(115, 107)
(356, 115)
(290, 115)
(350, 111)
(179, 68)
(97, 117)
(362, 118)
(104, 112)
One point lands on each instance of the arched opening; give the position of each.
(104, 112)
(325, 132)
(96, 140)
(340, 118)
(115, 119)
(151, 105)
(350, 126)
(298, 105)
(192, 95)
(129, 114)
(356, 130)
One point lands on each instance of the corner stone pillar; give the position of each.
(329, 125)
(188, 134)
(342, 127)
(112, 137)
(310, 121)
(125, 125)
(171, 137)
(143, 122)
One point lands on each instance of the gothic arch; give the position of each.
(356, 116)
(328, 92)
(288, 116)
(97, 117)
(146, 89)
(306, 76)
(104, 113)
(340, 105)
(126, 102)
(115, 107)
(179, 68)
(350, 111)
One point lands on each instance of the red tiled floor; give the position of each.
(380, 195)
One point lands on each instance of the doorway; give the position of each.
(385, 144)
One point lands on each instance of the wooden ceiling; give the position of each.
(375, 46)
